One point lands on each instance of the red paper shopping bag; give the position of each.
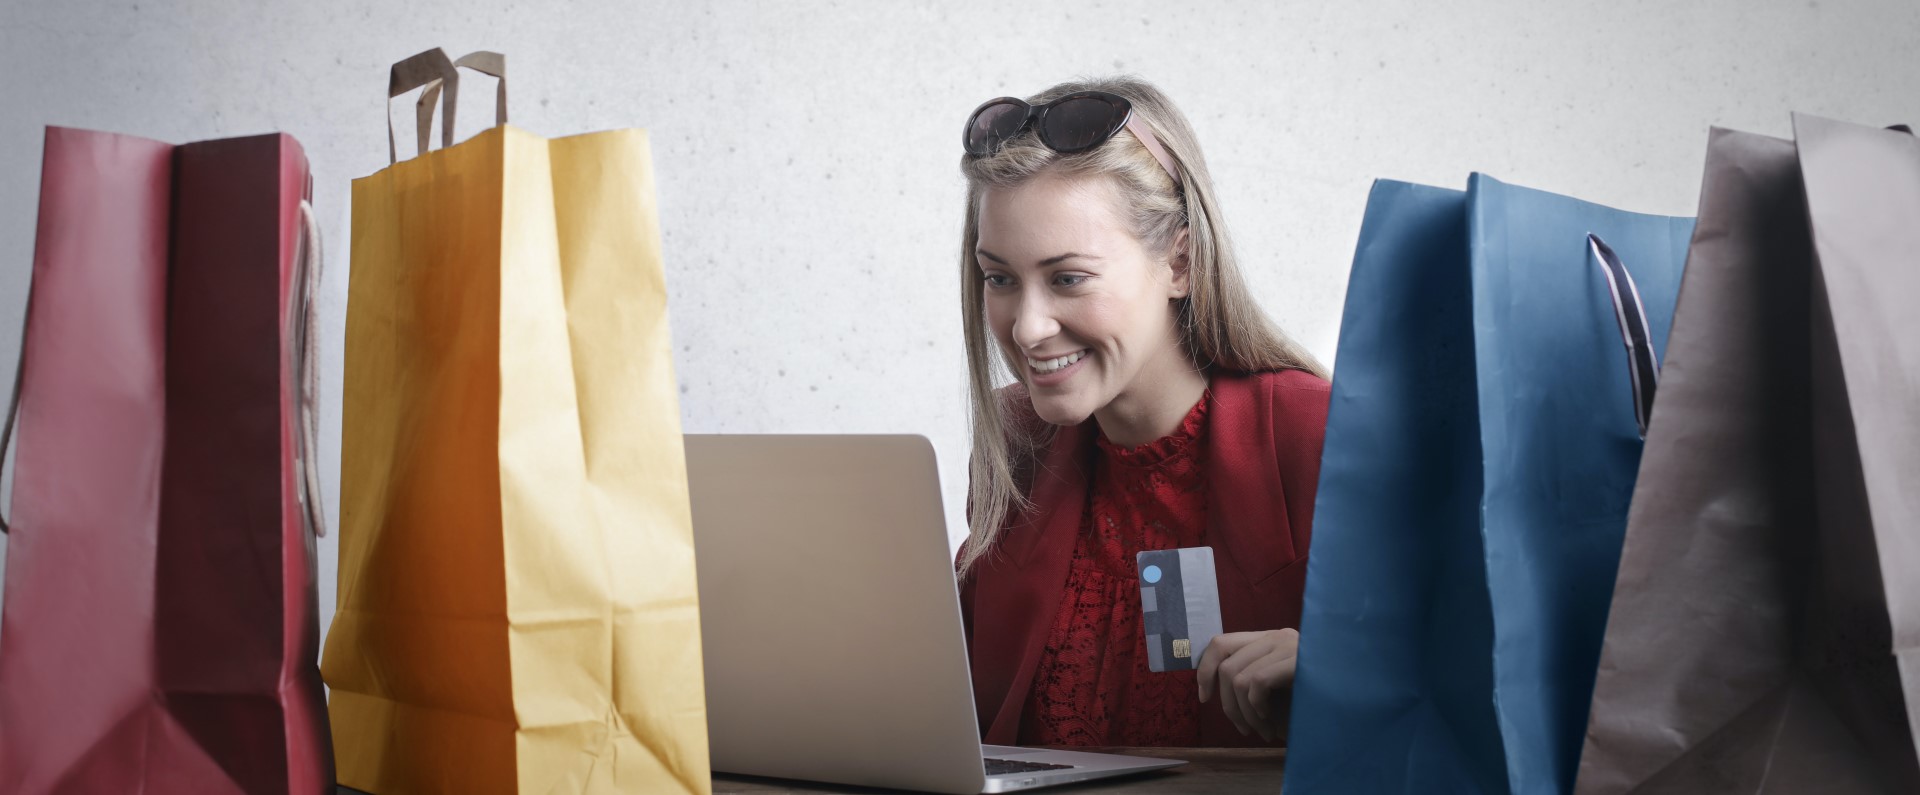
(160, 631)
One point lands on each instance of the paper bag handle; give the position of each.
(13, 408)
(1631, 314)
(303, 363)
(427, 70)
(491, 64)
(438, 78)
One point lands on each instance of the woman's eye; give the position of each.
(998, 280)
(1068, 280)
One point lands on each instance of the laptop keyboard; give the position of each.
(997, 767)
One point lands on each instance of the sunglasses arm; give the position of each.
(1147, 139)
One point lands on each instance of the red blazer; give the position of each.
(1263, 458)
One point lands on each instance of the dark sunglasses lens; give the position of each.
(993, 125)
(1082, 123)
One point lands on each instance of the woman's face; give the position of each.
(1079, 306)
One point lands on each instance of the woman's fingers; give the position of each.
(1272, 673)
(1250, 670)
(1251, 685)
(1242, 682)
(1218, 649)
(1227, 678)
(1230, 704)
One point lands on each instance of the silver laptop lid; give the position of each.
(830, 621)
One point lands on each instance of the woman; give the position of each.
(1154, 407)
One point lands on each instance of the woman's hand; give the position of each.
(1253, 672)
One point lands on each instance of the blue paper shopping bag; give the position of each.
(1497, 356)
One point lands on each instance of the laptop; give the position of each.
(831, 623)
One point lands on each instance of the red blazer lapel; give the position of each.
(1247, 523)
(1264, 465)
(1246, 505)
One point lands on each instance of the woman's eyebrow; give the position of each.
(1059, 258)
(1053, 260)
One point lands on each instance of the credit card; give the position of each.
(1180, 606)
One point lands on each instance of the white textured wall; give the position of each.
(806, 151)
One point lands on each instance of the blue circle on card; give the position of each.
(1151, 574)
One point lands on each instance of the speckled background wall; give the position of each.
(806, 151)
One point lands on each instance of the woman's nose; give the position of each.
(1034, 323)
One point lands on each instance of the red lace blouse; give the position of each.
(1093, 686)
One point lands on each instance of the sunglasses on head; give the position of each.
(1076, 122)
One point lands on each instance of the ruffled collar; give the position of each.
(1165, 448)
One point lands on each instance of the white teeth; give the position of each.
(1055, 365)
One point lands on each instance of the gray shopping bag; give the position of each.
(1763, 631)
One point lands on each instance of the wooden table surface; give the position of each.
(1221, 771)
(1212, 771)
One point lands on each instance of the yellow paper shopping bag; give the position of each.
(517, 607)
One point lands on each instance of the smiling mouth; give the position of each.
(1045, 366)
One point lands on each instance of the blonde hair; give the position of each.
(1220, 324)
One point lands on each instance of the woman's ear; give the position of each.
(1179, 261)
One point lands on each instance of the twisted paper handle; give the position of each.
(13, 406)
(438, 78)
(304, 366)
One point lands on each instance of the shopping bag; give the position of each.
(1496, 359)
(1762, 637)
(160, 623)
(517, 605)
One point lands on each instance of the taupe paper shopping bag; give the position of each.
(1762, 637)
